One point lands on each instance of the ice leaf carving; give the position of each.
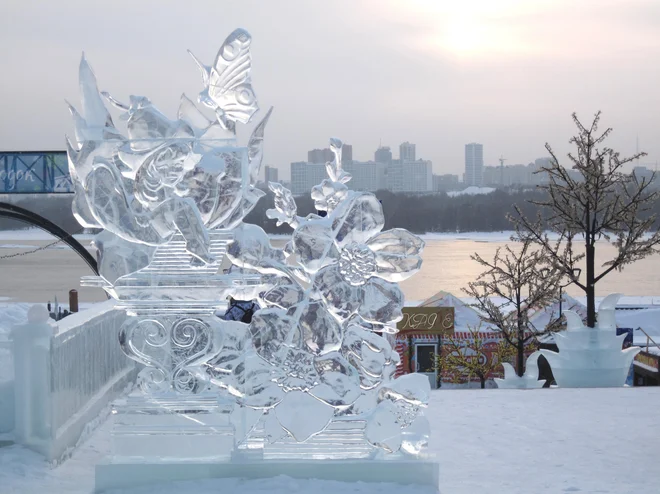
(285, 205)
(334, 168)
(96, 115)
(256, 147)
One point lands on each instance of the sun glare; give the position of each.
(471, 28)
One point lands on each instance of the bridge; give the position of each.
(36, 188)
(33, 172)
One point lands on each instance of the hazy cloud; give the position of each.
(507, 73)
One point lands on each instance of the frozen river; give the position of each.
(39, 276)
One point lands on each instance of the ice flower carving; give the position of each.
(330, 290)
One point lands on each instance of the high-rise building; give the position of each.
(417, 176)
(410, 176)
(366, 175)
(346, 153)
(305, 175)
(270, 174)
(394, 178)
(474, 164)
(383, 155)
(320, 156)
(407, 152)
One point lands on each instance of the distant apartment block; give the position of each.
(319, 156)
(367, 175)
(270, 174)
(645, 173)
(383, 155)
(305, 175)
(407, 152)
(325, 155)
(529, 175)
(410, 176)
(445, 182)
(474, 164)
(346, 153)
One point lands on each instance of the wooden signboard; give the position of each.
(648, 359)
(429, 320)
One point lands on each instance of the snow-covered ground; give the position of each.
(490, 441)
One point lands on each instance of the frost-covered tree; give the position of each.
(472, 357)
(600, 201)
(517, 282)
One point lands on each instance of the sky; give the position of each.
(504, 73)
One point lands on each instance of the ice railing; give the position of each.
(65, 375)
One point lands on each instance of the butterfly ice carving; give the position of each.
(228, 88)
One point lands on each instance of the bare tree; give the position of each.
(516, 283)
(602, 202)
(471, 357)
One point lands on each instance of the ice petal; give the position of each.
(340, 383)
(313, 242)
(382, 301)
(397, 254)
(302, 415)
(413, 388)
(382, 429)
(341, 298)
(270, 328)
(321, 332)
(360, 220)
(397, 241)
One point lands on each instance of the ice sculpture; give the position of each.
(591, 357)
(312, 369)
(529, 380)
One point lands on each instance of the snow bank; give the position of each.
(471, 191)
(542, 441)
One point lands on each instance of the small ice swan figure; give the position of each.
(530, 380)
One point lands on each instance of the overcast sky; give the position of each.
(505, 73)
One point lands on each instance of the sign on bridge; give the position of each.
(33, 172)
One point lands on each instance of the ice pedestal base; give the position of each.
(116, 475)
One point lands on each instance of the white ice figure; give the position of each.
(529, 380)
(591, 357)
(312, 366)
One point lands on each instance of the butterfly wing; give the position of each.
(229, 82)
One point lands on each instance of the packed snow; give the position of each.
(495, 441)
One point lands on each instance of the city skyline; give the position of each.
(436, 73)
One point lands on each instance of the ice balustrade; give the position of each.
(65, 374)
(311, 371)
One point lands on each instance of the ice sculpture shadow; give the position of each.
(529, 380)
(591, 357)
